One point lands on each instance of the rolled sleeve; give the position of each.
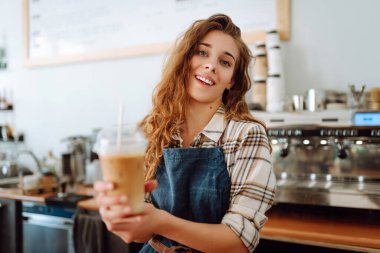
(253, 184)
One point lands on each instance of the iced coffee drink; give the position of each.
(127, 172)
(122, 163)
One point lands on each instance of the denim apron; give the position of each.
(193, 184)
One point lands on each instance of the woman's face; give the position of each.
(212, 67)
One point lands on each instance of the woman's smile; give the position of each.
(205, 80)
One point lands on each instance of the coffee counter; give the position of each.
(328, 228)
(288, 226)
(339, 230)
(16, 194)
(89, 204)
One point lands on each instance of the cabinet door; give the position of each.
(10, 226)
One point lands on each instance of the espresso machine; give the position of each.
(327, 158)
(73, 174)
(74, 160)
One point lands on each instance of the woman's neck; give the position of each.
(197, 117)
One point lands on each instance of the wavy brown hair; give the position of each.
(170, 96)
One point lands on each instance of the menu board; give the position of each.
(63, 31)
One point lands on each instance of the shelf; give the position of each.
(336, 228)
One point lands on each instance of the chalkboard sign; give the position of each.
(64, 31)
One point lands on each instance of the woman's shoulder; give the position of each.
(245, 131)
(245, 134)
(245, 127)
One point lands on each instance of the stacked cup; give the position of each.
(260, 72)
(275, 81)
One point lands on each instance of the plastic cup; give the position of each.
(121, 153)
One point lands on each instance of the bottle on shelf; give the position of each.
(6, 100)
(3, 53)
(7, 127)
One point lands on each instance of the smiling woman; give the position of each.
(212, 66)
(208, 158)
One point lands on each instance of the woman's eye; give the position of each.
(202, 52)
(225, 63)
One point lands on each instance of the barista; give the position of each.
(208, 159)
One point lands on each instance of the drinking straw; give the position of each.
(120, 125)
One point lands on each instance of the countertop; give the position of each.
(353, 230)
(357, 230)
(89, 204)
(17, 194)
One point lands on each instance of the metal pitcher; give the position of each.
(74, 160)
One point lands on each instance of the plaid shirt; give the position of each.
(253, 183)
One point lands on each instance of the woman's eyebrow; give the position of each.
(209, 45)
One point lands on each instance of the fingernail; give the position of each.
(127, 210)
(123, 199)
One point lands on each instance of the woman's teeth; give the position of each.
(205, 80)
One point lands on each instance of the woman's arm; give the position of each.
(253, 182)
(200, 236)
(140, 228)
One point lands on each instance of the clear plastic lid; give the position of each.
(113, 140)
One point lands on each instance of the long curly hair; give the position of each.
(170, 96)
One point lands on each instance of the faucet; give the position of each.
(28, 152)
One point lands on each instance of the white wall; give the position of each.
(332, 43)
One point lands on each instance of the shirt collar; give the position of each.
(216, 126)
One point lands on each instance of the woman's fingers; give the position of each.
(106, 200)
(114, 213)
(117, 215)
(102, 186)
(123, 224)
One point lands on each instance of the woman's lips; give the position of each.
(205, 80)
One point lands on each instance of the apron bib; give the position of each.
(193, 184)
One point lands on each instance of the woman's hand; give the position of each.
(136, 228)
(120, 221)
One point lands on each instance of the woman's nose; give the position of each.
(210, 66)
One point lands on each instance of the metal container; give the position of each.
(8, 169)
(74, 160)
(315, 100)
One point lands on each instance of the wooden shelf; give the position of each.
(337, 230)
